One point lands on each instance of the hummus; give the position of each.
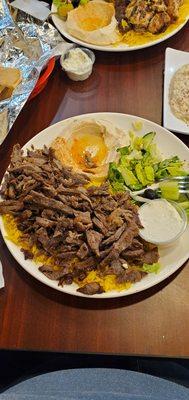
(94, 23)
(88, 146)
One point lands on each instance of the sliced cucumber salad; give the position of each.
(140, 164)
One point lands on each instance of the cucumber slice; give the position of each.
(169, 190)
(149, 171)
(140, 174)
(147, 139)
(184, 204)
(128, 176)
(176, 171)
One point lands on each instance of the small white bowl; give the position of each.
(169, 242)
(77, 76)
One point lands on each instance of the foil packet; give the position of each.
(26, 43)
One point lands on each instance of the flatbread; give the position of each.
(94, 23)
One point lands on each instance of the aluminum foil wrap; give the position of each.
(27, 44)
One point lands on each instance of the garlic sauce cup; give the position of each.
(80, 65)
(164, 222)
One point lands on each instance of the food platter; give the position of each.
(122, 47)
(171, 259)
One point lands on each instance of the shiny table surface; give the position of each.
(33, 316)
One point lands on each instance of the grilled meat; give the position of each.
(120, 6)
(159, 22)
(146, 15)
(139, 14)
(91, 288)
(81, 229)
(173, 8)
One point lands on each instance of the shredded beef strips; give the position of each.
(82, 229)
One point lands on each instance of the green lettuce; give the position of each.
(151, 268)
(140, 164)
(115, 178)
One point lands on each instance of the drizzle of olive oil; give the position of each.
(91, 23)
(85, 143)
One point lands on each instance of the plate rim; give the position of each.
(111, 48)
(54, 284)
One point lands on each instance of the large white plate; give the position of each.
(171, 258)
(174, 59)
(61, 26)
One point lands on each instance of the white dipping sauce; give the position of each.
(161, 221)
(77, 61)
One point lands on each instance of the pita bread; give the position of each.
(94, 23)
(9, 80)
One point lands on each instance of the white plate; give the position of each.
(61, 26)
(171, 258)
(174, 59)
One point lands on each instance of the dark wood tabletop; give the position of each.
(34, 316)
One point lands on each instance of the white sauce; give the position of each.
(161, 221)
(77, 61)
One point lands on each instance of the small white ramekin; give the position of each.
(170, 242)
(77, 76)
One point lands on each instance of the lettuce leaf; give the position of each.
(115, 178)
(124, 150)
(151, 268)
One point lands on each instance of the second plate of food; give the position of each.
(81, 239)
(119, 26)
(176, 91)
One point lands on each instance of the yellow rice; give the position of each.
(14, 235)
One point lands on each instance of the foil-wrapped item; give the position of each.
(27, 44)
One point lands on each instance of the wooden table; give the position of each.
(33, 316)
